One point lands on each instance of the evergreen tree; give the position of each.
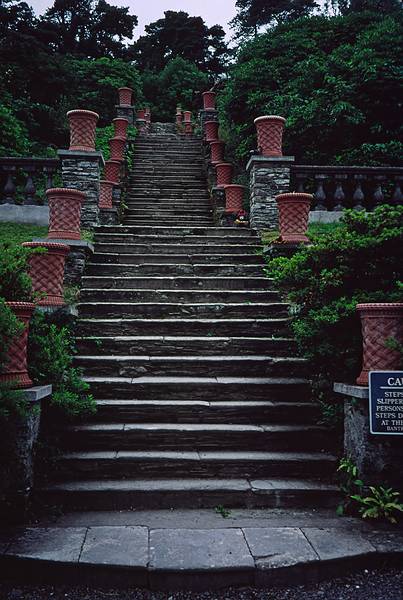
(253, 14)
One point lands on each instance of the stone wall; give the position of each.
(268, 178)
(82, 171)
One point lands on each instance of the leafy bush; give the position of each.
(13, 134)
(180, 82)
(360, 261)
(50, 356)
(345, 111)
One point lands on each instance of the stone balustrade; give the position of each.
(336, 187)
(24, 180)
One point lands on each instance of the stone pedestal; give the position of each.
(269, 176)
(379, 458)
(108, 216)
(218, 204)
(207, 115)
(127, 112)
(17, 451)
(80, 251)
(82, 171)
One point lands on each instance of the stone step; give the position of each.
(185, 326)
(174, 220)
(157, 463)
(151, 494)
(212, 388)
(181, 296)
(191, 366)
(158, 204)
(127, 270)
(191, 436)
(142, 244)
(183, 310)
(109, 284)
(157, 211)
(201, 411)
(239, 232)
(174, 345)
(246, 259)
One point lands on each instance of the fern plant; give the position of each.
(381, 504)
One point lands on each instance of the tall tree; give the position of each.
(253, 14)
(180, 35)
(87, 28)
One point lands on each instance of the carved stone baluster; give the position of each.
(397, 197)
(300, 179)
(9, 188)
(320, 194)
(30, 189)
(339, 195)
(358, 196)
(378, 197)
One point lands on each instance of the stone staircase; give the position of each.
(185, 343)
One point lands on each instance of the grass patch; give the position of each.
(269, 236)
(15, 234)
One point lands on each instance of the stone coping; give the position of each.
(94, 155)
(268, 161)
(348, 389)
(195, 557)
(81, 244)
(30, 213)
(37, 393)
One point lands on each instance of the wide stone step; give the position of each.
(149, 494)
(184, 345)
(162, 213)
(201, 411)
(227, 247)
(178, 231)
(178, 295)
(191, 436)
(212, 388)
(183, 310)
(172, 220)
(171, 204)
(191, 366)
(108, 284)
(173, 259)
(133, 270)
(185, 326)
(156, 463)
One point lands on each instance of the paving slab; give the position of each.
(56, 545)
(275, 547)
(118, 546)
(386, 541)
(201, 550)
(332, 543)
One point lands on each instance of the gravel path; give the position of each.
(367, 585)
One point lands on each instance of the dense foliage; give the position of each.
(50, 356)
(360, 261)
(182, 83)
(336, 80)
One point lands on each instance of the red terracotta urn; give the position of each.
(380, 322)
(125, 96)
(234, 197)
(106, 194)
(187, 116)
(293, 213)
(224, 174)
(117, 147)
(15, 372)
(179, 118)
(208, 100)
(141, 113)
(270, 135)
(47, 271)
(64, 213)
(188, 128)
(120, 125)
(217, 152)
(82, 129)
(211, 131)
(112, 171)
